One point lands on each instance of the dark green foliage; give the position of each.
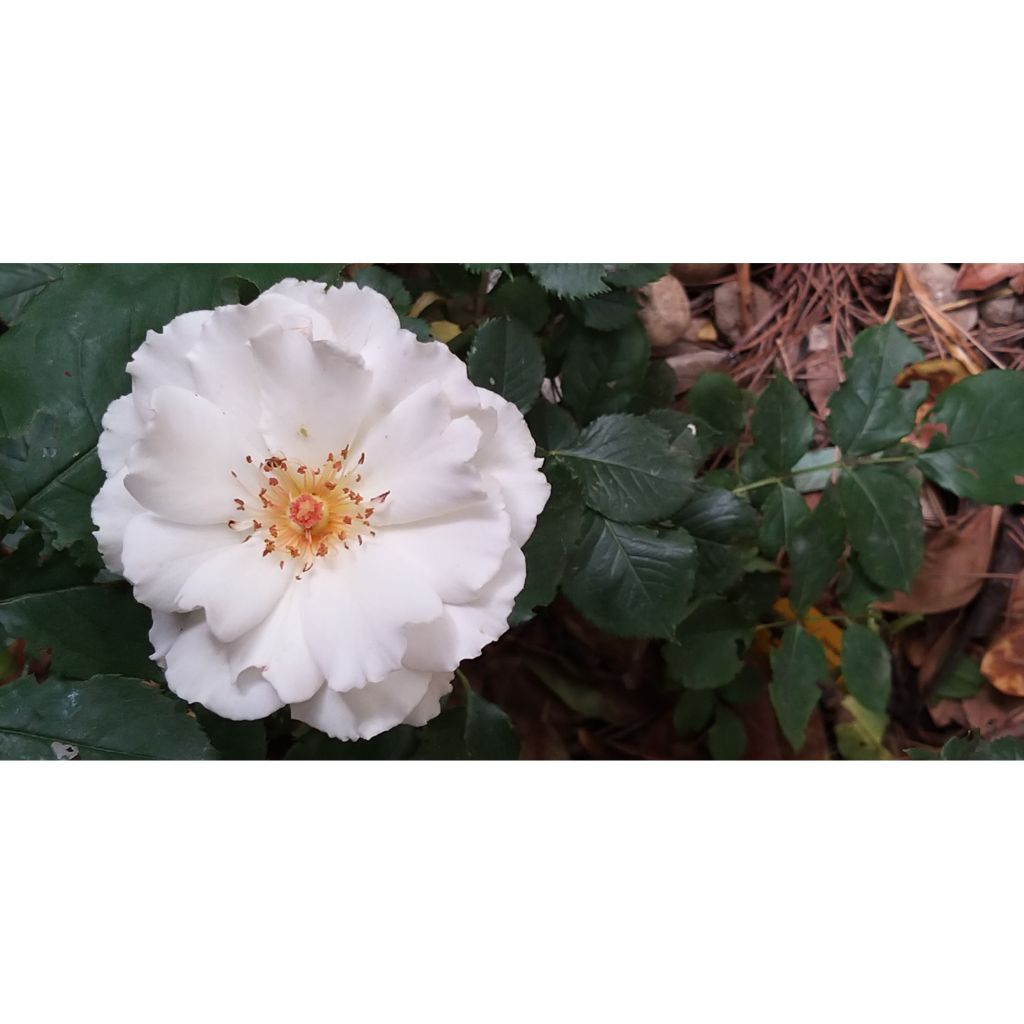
(683, 527)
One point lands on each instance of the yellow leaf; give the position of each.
(444, 330)
(830, 635)
(422, 302)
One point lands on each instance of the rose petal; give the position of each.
(463, 630)
(122, 427)
(113, 509)
(160, 556)
(421, 457)
(366, 712)
(359, 605)
(457, 553)
(198, 671)
(430, 706)
(182, 468)
(278, 649)
(237, 587)
(313, 395)
(161, 360)
(507, 456)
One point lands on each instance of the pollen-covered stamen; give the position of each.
(306, 512)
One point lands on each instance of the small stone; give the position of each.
(688, 366)
(1002, 312)
(938, 279)
(727, 308)
(664, 311)
(701, 273)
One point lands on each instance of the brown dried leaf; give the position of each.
(976, 277)
(939, 373)
(956, 558)
(821, 367)
(1003, 663)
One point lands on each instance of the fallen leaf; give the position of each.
(1003, 663)
(976, 277)
(444, 330)
(956, 559)
(825, 630)
(821, 368)
(426, 299)
(939, 374)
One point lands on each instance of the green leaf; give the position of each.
(234, 741)
(861, 739)
(389, 285)
(883, 517)
(97, 628)
(757, 592)
(609, 312)
(523, 299)
(713, 514)
(489, 734)
(64, 363)
(856, 592)
(548, 549)
(20, 282)
(798, 666)
(414, 325)
(719, 403)
(868, 413)
(27, 570)
(657, 390)
(443, 738)
(106, 718)
(962, 683)
(483, 268)
(782, 513)
(813, 471)
(629, 580)
(62, 508)
(506, 358)
(552, 427)
(727, 739)
(603, 373)
(974, 748)
(866, 667)
(686, 434)
(266, 275)
(634, 275)
(397, 744)
(981, 456)
(744, 688)
(815, 549)
(693, 711)
(722, 524)
(709, 645)
(782, 427)
(570, 280)
(627, 470)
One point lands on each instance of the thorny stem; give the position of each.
(768, 480)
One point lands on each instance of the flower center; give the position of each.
(306, 512)
(302, 514)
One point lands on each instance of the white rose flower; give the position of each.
(320, 510)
